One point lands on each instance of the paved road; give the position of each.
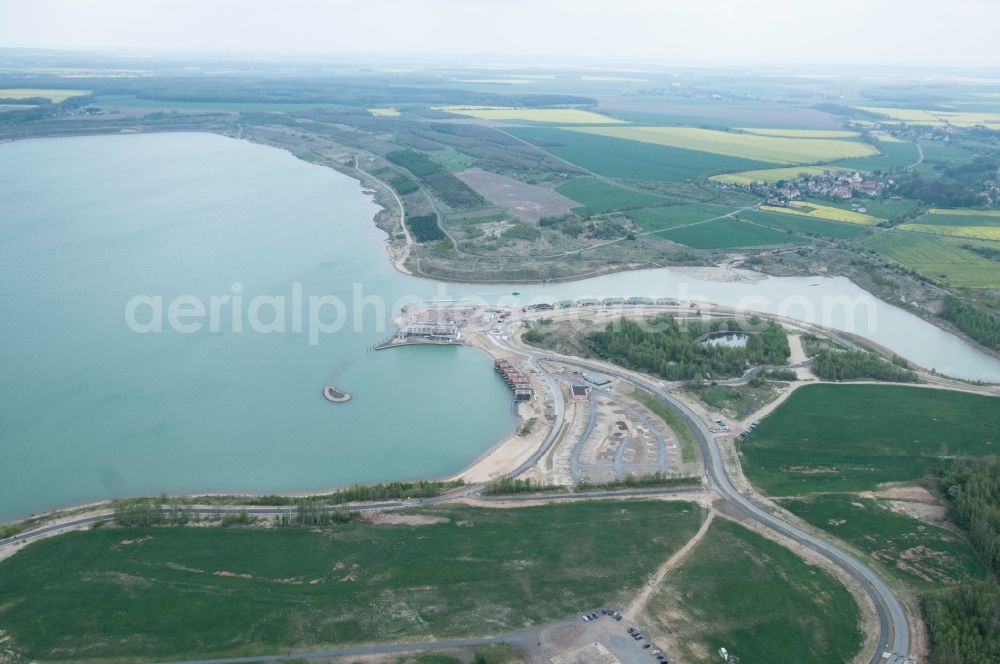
(558, 405)
(356, 651)
(894, 634)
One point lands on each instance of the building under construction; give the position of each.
(518, 381)
(445, 332)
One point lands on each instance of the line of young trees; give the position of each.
(675, 350)
(144, 512)
(964, 622)
(314, 512)
(507, 486)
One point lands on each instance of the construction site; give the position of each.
(517, 381)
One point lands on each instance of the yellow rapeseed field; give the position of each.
(556, 115)
(55, 95)
(964, 212)
(769, 175)
(981, 232)
(801, 133)
(774, 149)
(937, 118)
(816, 211)
(887, 138)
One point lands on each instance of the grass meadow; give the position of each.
(632, 160)
(188, 592)
(800, 224)
(597, 196)
(891, 155)
(670, 216)
(727, 233)
(841, 438)
(919, 554)
(758, 600)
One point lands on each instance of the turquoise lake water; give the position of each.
(91, 409)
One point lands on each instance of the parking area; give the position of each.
(602, 636)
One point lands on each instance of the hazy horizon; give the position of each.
(712, 32)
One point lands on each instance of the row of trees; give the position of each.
(631, 481)
(676, 350)
(860, 365)
(507, 486)
(445, 185)
(982, 326)
(370, 492)
(964, 622)
(973, 493)
(315, 512)
(145, 512)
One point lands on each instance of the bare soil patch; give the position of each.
(525, 201)
(914, 501)
(392, 519)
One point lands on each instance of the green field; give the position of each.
(893, 155)
(659, 218)
(725, 233)
(597, 196)
(854, 437)
(556, 115)
(758, 600)
(451, 159)
(774, 149)
(632, 160)
(943, 152)
(186, 592)
(944, 259)
(922, 555)
(959, 217)
(799, 224)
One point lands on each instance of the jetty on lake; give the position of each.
(427, 332)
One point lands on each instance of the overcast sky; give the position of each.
(936, 32)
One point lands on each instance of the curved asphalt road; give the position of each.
(894, 635)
